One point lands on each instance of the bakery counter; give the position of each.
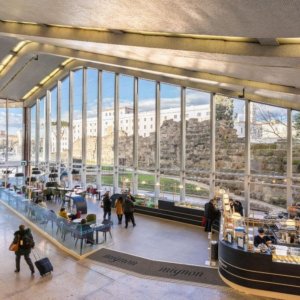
(264, 274)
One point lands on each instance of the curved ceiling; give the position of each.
(242, 18)
(237, 44)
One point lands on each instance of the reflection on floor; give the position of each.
(88, 279)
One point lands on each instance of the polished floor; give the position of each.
(86, 279)
(157, 239)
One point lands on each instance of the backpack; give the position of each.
(28, 242)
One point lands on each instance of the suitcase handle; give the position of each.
(36, 255)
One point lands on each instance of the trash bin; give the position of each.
(214, 250)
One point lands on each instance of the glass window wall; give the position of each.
(2, 130)
(268, 138)
(230, 135)
(32, 133)
(146, 137)
(53, 127)
(77, 117)
(42, 132)
(126, 123)
(108, 95)
(91, 129)
(268, 141)
(65, 114)
(296, 156)
(197, 139)
(15, 129)
(170, 129)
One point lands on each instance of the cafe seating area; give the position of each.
(66, 231)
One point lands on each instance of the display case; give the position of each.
(284, 254)
(146, 204)
(145, 200)
(187, 204)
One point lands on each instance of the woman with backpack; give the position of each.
(24, 239)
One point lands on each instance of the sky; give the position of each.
(170, 97)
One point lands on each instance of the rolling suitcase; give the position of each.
(43, 265)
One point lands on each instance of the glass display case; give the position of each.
(188, 204)
(145, 200)
(284, 254)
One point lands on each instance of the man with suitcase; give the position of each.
(24, 239)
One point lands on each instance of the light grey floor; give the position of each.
(86, 279)
(153, 238)
(158, 239)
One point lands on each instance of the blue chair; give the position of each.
(107, 228)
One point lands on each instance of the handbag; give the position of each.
(14, 247)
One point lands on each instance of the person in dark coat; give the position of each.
(24, 239)
(128, 209)
(261, 238)
(88, 231)
(106, 206)
(238, 207)
(211, 214)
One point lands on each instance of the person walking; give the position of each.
(128, 208)
(119, 209)
(24, 239)
(106, 206)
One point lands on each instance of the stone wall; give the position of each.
(230, 155)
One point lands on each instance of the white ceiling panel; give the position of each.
(241, 18)
(6, 45)
(21, 80)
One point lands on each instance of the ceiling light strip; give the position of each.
(47, 78)
(7, 59)
(141, 32)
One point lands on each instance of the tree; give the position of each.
(296, 124)
(224, 110)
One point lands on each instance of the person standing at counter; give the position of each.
(238, 207)
(235, 206)
(261, 238)
(211, 214)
